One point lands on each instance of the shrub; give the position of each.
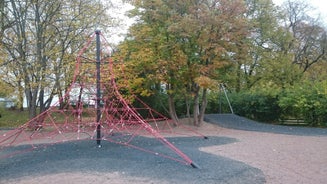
(307, 101)
(256, 105)
(217, 103)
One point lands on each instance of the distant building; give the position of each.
(6, 103)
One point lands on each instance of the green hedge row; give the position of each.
(307, 102)
(257, 106)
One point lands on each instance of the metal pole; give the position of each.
(230, 106)
(98, 78)
(220, 98)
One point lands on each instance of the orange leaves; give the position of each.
(206, 82)
(186, 44)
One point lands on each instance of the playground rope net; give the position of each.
(94, 107)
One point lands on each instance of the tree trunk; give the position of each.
(238, 78)
(41, 101)
(32, 98)
(172, 109)
(20, 96)
(203, 107)
(61, 100)
(188, 109)
(196, 109)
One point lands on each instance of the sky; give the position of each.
(119, 33)
(319, 5)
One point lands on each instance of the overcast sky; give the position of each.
(319, 5)
(118, 34)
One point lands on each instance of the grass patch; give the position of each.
(12, 118)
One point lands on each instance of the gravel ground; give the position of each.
(112, 158)
(240, 123)
(265, 154)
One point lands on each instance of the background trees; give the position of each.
(309, 37)
(39, 42)
(182, 44)
(254, 47)
(176, 53)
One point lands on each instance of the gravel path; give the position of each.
(228, 156)
(232, 121)
(292, 155)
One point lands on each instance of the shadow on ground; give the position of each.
(84, 156)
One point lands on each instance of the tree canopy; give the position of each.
(179, 51)
(182, 44)
(190, 46)
(39, 41)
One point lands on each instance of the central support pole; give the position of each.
(98, 86)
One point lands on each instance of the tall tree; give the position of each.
(15, 43)
(271, 50)
(212, 34)
(40, 44)
(182, 44)
(309, 37)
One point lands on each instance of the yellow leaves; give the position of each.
(145, 92)
(138, 81)
(137, 86)
(205, 82)
(187, 44)
(5, 89)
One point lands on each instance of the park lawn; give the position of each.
(12, 118)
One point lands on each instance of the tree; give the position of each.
(5, 89)
(39, 43)
(212, 40)
(309, 37)
(280, 42)
(262, 49)
(182, 44)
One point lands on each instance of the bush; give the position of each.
(256, 105)
(217, 103)
(307, 101)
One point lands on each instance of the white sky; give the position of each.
(117, 34)
(319, 5)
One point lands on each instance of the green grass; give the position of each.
(15, 118)
(12, 118)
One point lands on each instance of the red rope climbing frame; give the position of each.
(74, 117)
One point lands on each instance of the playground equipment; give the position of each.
(95, 107)
(223, 89)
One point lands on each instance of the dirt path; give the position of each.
(283, 158)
